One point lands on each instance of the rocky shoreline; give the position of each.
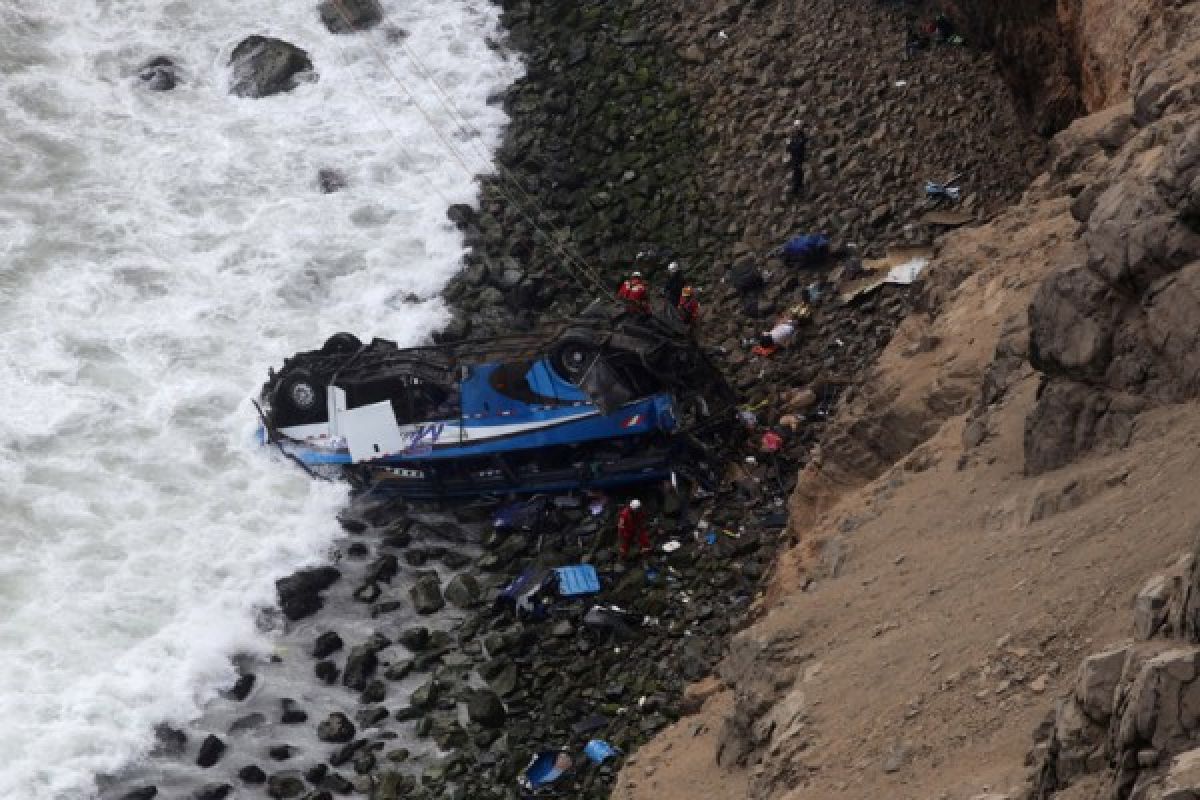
(621, 129)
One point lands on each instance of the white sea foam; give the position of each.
(158, 251)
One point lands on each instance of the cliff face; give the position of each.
(1064, 58)
(1020, 459)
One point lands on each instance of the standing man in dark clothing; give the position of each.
(796, 149)
(674, 284)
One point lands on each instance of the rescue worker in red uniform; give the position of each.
(689, 307)
(633, 293)
(631, 522)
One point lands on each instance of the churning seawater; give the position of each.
(158, 251)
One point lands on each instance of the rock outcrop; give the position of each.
(264, 66)
(1133, 715)
(347, 16)
(1112, 335)
(159, 74)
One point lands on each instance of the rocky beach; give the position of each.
(643, 134)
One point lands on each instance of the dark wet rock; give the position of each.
(211, 750)
(281, 752)
(392, 786)
(455, 559)
(327, 671)
(337, 727)
(348, 16)
(241, 688)
(367, 593)
(169, 741)
(247, 722)
(364, 761)
(331, 180)
(252, 775)
(326, 645)
(291, 714)
(285, 785)
(264, 66)
(463, 591)
(383, 569)
(352, 524)
(485, 708)
(345, 753)
(425, 696)
(358, 550)
(426, 594)
(399, 670)
(462, 215)
(213, 791)
(374, 692)
(415, 639)
(397, 539)
(142, 793)
(362, 662)
(337, 784)
(367, 717)
(299, 593)
(316, 773)
(386, 607)
(159, 74)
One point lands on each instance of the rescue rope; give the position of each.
(576, 264)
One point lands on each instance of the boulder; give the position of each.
(159, 74)
(415, 639)
(426, 594)
(252, 775)
(463, 591)
(299, 593)
(348, 16)
(292, 715)
(362, 661)
(241, 688)
(212, 791)
(264, 66)
(331, 180)
(360, 665)
(1181, 782)
(210, 751)
(485, 708)
(141, 793)
(326, 645)
(337, 728)
(1150, 607)
(248, 722)
(1160, 712)
(285, 785)
(1096, 686)
(168, 741)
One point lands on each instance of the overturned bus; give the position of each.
(610, 398)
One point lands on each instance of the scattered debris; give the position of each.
(544, 769)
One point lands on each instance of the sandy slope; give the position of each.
(949, 604)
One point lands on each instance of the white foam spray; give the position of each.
(158, 251)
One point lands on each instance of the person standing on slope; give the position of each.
(633, 293)
(688, 307)
(797, 148)
(631, 522)
(673, 287)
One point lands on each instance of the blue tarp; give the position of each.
(806, 248)
(599, 751)
(576, 580)
(545, 768)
